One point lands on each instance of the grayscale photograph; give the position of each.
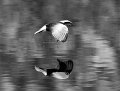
(59, 45)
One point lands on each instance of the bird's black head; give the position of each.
(66, 22)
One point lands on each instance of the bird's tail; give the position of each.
(41, 70)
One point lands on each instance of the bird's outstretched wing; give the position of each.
(66, 66)
(60, 32)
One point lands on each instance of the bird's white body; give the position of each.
(60, 31)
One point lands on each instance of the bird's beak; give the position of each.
(41, 29)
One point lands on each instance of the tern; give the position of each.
(58, 30)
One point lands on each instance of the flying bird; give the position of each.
(62, 71)
(58, 30)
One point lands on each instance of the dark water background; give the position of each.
(94, 21)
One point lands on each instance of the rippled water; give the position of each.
(93, 45)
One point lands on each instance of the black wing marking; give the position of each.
(69, 65)
(66, 66)
(61, 66)
(50, 71)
